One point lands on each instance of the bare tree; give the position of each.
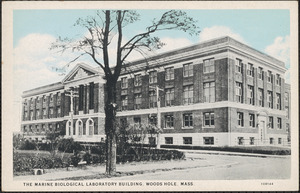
(102, 28)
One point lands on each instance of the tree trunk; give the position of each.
(110, 127)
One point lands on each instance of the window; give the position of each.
(51, 110)
(152, 99)
(44, 99)
(240, 119)
(260, 97)
(137, 80)
(260, 73)
(58, 111)
(240, 140)
(153, 77)
(239, 92)
(271, 122)
(271, 140)
(208, 140)
(188, 120)
(270, 79)
(123, 122)
(279, 123)
(168, 140)
(187, 140)
(188, 94)
(124, 82)
(37, 114)
(251, 141)
(209, 92)
(278, 101)
(44, 113)
(137, 120)
(169, 121)
(50, 127)
(169, 96)
(124, 100)
(90, 126)
(51, 97)
(43, 127)
(137, 101)
(287, 112)
(209, 119)
(80, 108)
(30, 128)
(152, 140)
(286, 98)
(91, 95)
(37, 100)
(170, 73)
(270, 99)
(31, 115)
(250, 95)
(278, 80)
(250, 70)
(153, 120)
(251, 120)
(209, 66)
(58, 96)
(287, 127)
(279, 141)
(79, 126)
(238, 66)
(188, 70)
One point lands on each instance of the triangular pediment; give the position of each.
(80, 71)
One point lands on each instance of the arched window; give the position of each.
(68, 128)
(90, 126)
(79, 127)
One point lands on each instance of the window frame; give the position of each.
(208, 65)
(137, 80)
(169, 94)
(250, 95)
(239, 66)
(169, 121)
(252, 120)
(169, 73)
(210, 120)
(239, 92)
(187, 140)
(153, 76)
(188, 91)
(209, 92)
(189, 71)
(189, 120)
(240, 119)
(124, 82)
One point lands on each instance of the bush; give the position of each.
(74, 160)
(87, 157)
(256, 149)
(27, 145)
(28, 162)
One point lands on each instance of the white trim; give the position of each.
(43, 120)
(43, 94)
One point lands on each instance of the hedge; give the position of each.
(258, 149)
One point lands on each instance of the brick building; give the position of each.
(219, 92)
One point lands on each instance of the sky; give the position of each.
(267, 30)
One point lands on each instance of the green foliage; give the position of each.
(27, 162)
(74, 160)
(87, 157)
(27, 145)
(68, 145)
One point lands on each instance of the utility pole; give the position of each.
(158, 109)
(72, 95)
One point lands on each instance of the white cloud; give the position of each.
(219, 31)
(280, 49)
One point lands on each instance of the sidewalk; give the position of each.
(135, 167)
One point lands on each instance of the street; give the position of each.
(197, 166)
(224, 167)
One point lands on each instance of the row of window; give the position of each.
(260, 96)
(188, 96)
(211, 141)
(44, 99)
(240, 121)
(80, 130)
(188, 71)
(44, 113)
(260, 72)
(38, 129)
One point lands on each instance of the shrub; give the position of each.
(87, 157)
(74, 160)
(27, 145)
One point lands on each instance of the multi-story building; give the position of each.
(219, 92)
